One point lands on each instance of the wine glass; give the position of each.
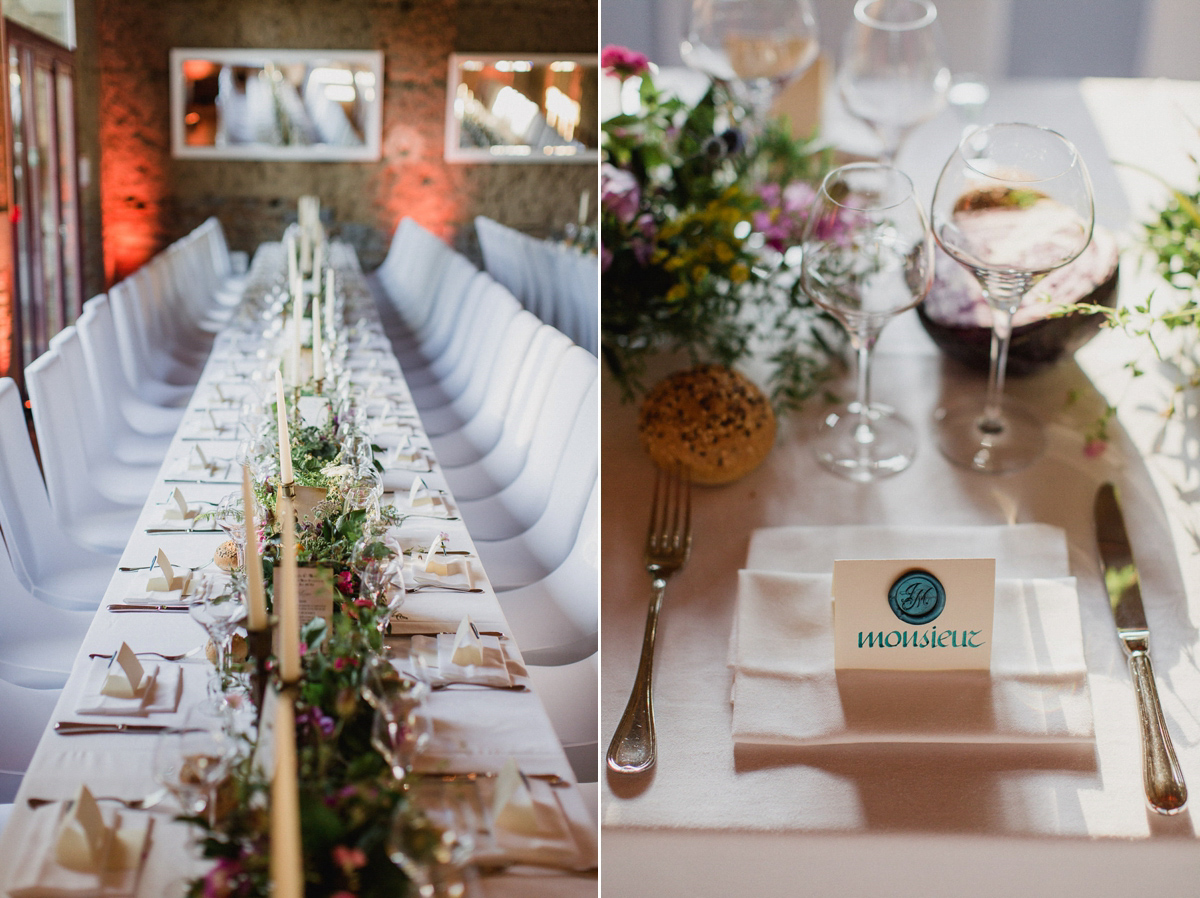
(893, 75)
(432, 839)
(378, 560)
(192, 761)
(218, 608)
(755, 47)
(868, 256)
(1013, 203)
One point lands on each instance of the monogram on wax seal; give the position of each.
(917, 597)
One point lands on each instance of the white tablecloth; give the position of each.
(495, 725)
(925, 820)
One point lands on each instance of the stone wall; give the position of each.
(148, 199)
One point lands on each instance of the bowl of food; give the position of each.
(959, 320)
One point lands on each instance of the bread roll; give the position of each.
(712, 420)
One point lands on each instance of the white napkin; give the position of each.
(461, 571)
(40, 876)
(161, 695)
(422, 499)
(437, 652)
(786, 691)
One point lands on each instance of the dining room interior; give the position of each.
(299, 448)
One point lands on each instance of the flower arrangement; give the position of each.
(695, 230)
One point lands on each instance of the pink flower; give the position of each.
(349, 858)
(1095, 448)
(623, 62)
(619, 193)
(606, 258)
(345, 583)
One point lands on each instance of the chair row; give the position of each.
(558, 283)
(511, 406)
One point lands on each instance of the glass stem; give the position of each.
(864, 343)
(992, 421)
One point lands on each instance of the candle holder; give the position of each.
(258, 645)
(288, 490)
(319, 386)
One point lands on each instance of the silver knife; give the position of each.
(168, 606)
(81, 727)
(1161, 776)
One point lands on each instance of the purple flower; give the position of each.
(619, 193)
(623, 62)
(606, 258)
(316, 718)
(219, 881)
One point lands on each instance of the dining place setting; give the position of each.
(914, 591)
(300, 624)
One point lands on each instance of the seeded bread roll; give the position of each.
(714, 421)
(226, 555)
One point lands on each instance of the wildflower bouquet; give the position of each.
(694, 230)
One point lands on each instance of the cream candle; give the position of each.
(318, 355)
(329, 303)
(287, 858)
(285, 437)
(256, 599)
(287, 594)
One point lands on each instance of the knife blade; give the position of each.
(170, 606)
(81, 727)
(1162, 779)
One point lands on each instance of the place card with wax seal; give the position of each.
(913, 614)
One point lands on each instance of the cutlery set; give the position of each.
(668, 542)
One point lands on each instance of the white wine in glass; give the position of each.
(1013, 203)
(755, 47)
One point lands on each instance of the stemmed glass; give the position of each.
(868, 256)
(432, 839)
(400, 728)
(378, 560)
(892, 74)
(754, 46)
(191, 762)
(1013, 203)
(218, 608)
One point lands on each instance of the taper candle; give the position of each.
(318, 355)
(286, 852)
(287, 594)
(256, 599)
(285, 437)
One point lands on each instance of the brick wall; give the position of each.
(146, 199)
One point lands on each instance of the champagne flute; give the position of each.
(868, 256)
(755, 47)
(1013, 203)
(892, 74)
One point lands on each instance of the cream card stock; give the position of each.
(83, 839)
(168, 580)
(126, 676)
(178, 510)
(468, 650)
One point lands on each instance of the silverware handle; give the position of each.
(632, 749)
(1165, 789)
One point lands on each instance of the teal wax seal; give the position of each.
(917, 597)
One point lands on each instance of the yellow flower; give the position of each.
(676, 293)
(738, 273)
(699, 273)
(723, 252)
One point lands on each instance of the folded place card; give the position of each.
(83, 839)
(405, 453)
(179, 510)
(468, 650)
(786, 690)
(513, 807)
(126, 678)
(913, 614)
(420, 495)
(437, 656)
(168, 580)
(159, 692)
(198, 461)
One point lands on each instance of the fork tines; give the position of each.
(670, 527)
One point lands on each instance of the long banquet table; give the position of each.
(931, 820)
(481, 727)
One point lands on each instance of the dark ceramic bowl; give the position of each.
(957, 318)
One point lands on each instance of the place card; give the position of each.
(316, 592)
(468, 647)
(513, 806)
(913, 614)
(180, 510)
(169, 581)
(83, 839)
(125, 674)
(198, 461)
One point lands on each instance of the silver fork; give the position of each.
(668, 541)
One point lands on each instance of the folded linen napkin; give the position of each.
(786, 691)
(39, 875)
(534, 830)
(436, 652)
(161, 695)
(460, 574)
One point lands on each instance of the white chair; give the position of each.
(46, 558)
(98, 335)
(26, 714)
(520, 560)
(423, 367)
(87, 514)
(107, 440)
(489, 389)
(411, 270)
(552, 361)
(495, 308)
(416, 347)
(127, 484)
(556, 620)
(519, 505)
(38, 642)
(135, 354)
(570, 694)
